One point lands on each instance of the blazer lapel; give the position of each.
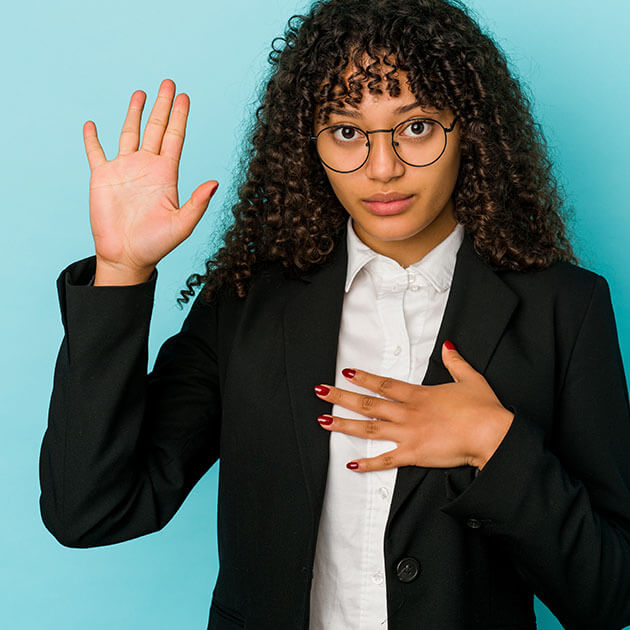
(477, 311)
(311, 333)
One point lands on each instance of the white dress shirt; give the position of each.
(389, 323)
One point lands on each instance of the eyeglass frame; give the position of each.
(392, 130)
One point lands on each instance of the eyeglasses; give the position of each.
(417, 142)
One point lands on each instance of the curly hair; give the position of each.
(505, 196)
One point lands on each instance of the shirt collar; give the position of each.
(436, 267)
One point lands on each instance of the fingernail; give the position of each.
(449, 345)
(325, 419)
(348, 373)
(321, 390)
(352, 465)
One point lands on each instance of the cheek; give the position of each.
(444, 178)
(342, 186)
(435, 187)
(437, 181)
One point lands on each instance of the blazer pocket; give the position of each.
(224, 618)
(457, 479)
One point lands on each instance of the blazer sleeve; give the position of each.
(124, 448)
(560, 504)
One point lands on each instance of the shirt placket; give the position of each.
(395, 362)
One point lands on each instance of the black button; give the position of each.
(407, 569)
(474, 523)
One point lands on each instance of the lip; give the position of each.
(388, 196)
(384, 208)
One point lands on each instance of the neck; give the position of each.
(416, 247)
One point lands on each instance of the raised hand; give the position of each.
(135, 215)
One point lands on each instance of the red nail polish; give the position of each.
(352, 465)
(325, 419)
(449, 345)
(348, 373)
(321, 389)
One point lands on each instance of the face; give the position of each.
(409, 233)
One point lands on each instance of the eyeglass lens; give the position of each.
(417, 142)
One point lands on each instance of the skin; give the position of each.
(436, 426)
(447, 425)
(408, 236)
(135, 215)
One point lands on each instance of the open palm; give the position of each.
(134, 206)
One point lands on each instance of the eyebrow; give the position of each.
(354, 114)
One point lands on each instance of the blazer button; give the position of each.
(474, 523)
(407, 569)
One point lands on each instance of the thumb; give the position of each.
(457, 366)
(191, 212)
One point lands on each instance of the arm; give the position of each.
(563, 513)
(123, 449)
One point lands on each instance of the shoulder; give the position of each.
(563, 298)
(562, 283)
(268, 289)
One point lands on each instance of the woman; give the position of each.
(397, 199)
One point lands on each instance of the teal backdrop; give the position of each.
(67, 62)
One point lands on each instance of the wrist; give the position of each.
(497, 428)
(109, 274)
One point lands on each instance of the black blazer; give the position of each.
(549, 514)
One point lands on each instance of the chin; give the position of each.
(392, 228)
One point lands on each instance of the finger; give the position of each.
(383, 385)
(173, 140)
(93, 148)
(371, 406)
(192, 211)
(154, 131)
(457, 366)
(130, 134)
(385, 461)
(370, 429)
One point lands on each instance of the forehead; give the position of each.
(371, 104)
(370, 87)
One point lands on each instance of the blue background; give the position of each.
(67, 62)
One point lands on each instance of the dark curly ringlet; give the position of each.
(506, 195)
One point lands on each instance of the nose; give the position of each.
(383, 163)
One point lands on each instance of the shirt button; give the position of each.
(473, 523)
(384, 492)
(377, 578)
(398, 350)
(414, 287)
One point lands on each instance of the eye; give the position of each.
(418, 128)
(347, 134)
